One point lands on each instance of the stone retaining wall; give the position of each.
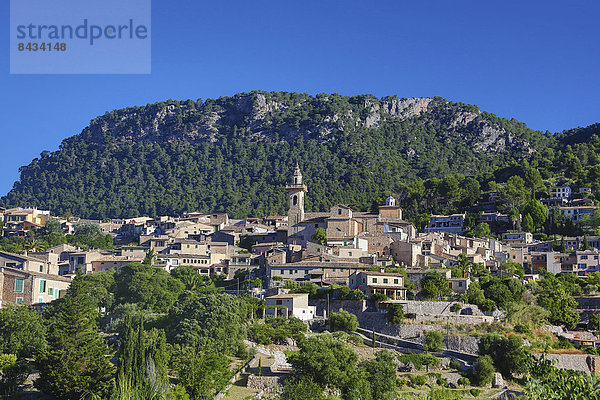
(269, 384)
(579, 362)
(465, 344)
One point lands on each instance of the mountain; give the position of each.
(235, 154)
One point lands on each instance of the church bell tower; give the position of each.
(296, 190)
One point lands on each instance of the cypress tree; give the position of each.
(76, 363)
(142, 362)
(585, 245)
(562, 247)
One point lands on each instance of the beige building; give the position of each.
(459, 285)
(108, 262)
(27, 263)
(371, 282)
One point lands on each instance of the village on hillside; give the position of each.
(399, 282)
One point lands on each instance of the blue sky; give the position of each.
(536, 61)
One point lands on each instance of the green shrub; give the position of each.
(455, 307)
(475, 392)
(13, 376)
(418, 380)
(419, 359)
(379, 297)
(563, 343)
(591, 350)
(483, 371)
(508, 354)
(454, 364)
(487, 305)
(178, 393)
(275, 330)
(357, 340)
(6, 360)
(343, 321)
(464, 381)
(433, 341)
(395, 314)
(522, 329)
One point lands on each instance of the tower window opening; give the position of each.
(295, 200)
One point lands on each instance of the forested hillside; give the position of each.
(235, 154)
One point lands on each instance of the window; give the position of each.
(295, 200)
(385, 280)
(350, 253)
(41, 268)
(50, 291)
(395, 281)
(291, 271)
(19, 300)
(40, 300)
(279, 302)
(43, 286)
(374, 280)
(339, 211)
(19, 285)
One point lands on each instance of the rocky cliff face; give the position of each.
(260, 116)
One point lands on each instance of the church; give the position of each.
(342, 224)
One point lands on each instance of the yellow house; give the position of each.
(32, 215)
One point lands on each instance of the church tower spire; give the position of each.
(296, 190)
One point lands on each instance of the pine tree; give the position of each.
(76, 364)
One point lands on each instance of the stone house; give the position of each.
(30, 287)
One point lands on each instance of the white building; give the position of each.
(290, 305)
(561, 192)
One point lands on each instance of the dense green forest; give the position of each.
(235, 154)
